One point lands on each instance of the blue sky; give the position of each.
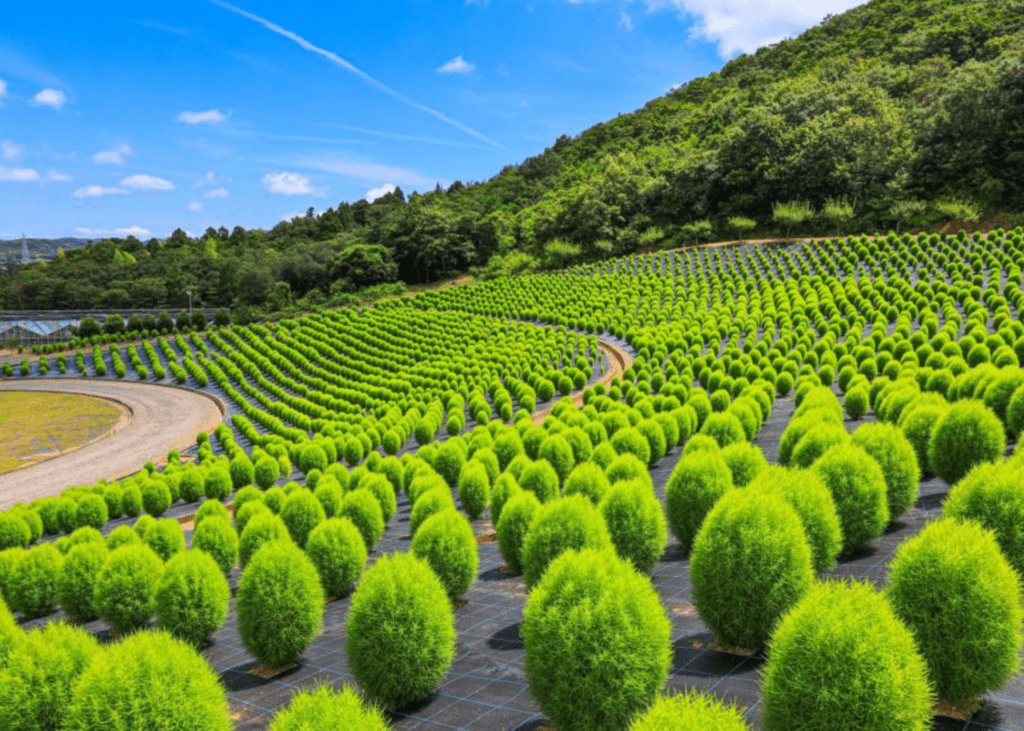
(124, 118)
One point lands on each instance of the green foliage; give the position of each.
(725, 428)
(32, 585)
(380, 487)
(192, 597)
(636, 524)
(209, 509)
(569, 523)
(165, 537)
(992, 495)
(449, 461)
(630, 441)
(745, 462)
(541, 479)
(337, 550)
(301, 513)
(750, 564)
(967, 435)
(363, 509)
(156, 497)
(92, 511)
(474, 489)
(556, 451)
(323, 708)
(77, 579)
(217, 485)
(517, 517)
(262, 529)
(587, 479)
(447, 543)
(14, 532)
(695, 485)
(280, 604)
(843, 660)
(690, 710)
(216, 537)
(959, 596)
(400, 632)
(894, 453)
(266, 471)
(125, 589)
(859, 491)
(242, 472)
(597, 641)
(148, 680)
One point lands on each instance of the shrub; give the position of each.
(32, 586)
(274, 498)
(261, 530)
(210, 509)
(14, 532)
(11, 634)
(380, 487)
(895, 455)
(266, 471)
(816, 442)
(541, 479)
(217, 538)
(77, 580)
(557, 451)
(30, 518)
(725, 428)
(858, 489)
(918, 422)
(330, 495)
(516, 518)
(192, 597)
(88, 534)
(149, 680)
(363, 509)
(507, 447)
(967, 435)
(603, 454)
(126, 586)
(122, 535)
(629, 440)
(244, 496)
(751, 563)
(745, 462)
(597, 641)
(693, 488)
(504, 488)
(400, 631)
(242, 471)
(165, 537)
(474, 489)
(993, 496)
(449, 461)
(959, 596)
(701, 443)
(36, 684)
(338, 552)
(627, 467)
(190, 484)
(323, 708)
(690, 710)
(217, 484)
(842, 657)
(569, 523)
(301, 513)
(635, 523)
(280, 604)
(131, 501)
(312, 457)
(447, 543)
(156, 497)
(92, 511)
(587, 479)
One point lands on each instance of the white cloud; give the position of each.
(374, 193)
(368, 171)
(18, 175)
(11, 150)
(210, 116)
(3, 89)
(211, 179)
(147, 182)
(136, 231)
(741, 26)
(218, 193)
(195, 206)
(53, 98)
(457, 65)
(54, 177)
(288, 184)
(114, 156)
(95, 191)
(625, 21)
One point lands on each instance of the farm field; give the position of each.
(725, 434)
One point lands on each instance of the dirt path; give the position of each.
(163, 419)
(619, 359)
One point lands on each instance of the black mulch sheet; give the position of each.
(486, 688)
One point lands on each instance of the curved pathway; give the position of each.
(162, 418)
(619, 359)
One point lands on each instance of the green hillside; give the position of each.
(892, 115)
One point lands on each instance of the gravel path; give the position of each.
(163, 418)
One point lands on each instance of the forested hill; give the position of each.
(896, 113)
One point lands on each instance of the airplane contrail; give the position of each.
(335, 58)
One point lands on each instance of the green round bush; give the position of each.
(690, 710)
(745, 462)
(66, 512)
(11, 635)
(312, 457)
(750, 564)
(428, 503)
(86, 534)
(957, 593)
(967, 435)
(894, 453)
(156, 497)
(266, 471)
(148, 681)
(603, 454)
(656, 440)
(125, 589)
(629, 440)
(330, 495)
(242, 471)
(247, 494)
(507, 446)
(77, 580)
(504, 488)
(557, 451)
(693, 488)
(40, 674)
(274, 498)
(841, 659)
(217, 484)
(598, 643)
(280, 604)
(14, 532)
(165, 537)
(363, 509)
(122, 535)
(725, 428)
(301, 513)
(400, 631)
(192, 597)
(700, 443)
(993, 496)
(32, 586)
(209, 509)
(561, 525)
(918, 422)
(816, 442)
(474, 489)
(259, 531)
(627, 467)
(541, 479)
(31, 518)
(249, 511)
(92, 511)
(323, 708)
(380, 487)
(190, 484)
(219, 540)
(517, 516)
(449, 460)
(587, 479)
(635, 522)
(858, 489)
(447, 543)
(338, 552)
